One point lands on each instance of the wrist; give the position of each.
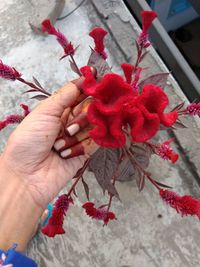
(19, 214)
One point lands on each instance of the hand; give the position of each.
(31, 172)
(29, 153)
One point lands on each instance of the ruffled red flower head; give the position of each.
(155, 101)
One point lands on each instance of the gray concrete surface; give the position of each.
(139, 238)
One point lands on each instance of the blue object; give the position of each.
(17, 259)
(178, 6)
(50, 210)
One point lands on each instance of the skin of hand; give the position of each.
(31, 172)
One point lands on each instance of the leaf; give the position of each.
(73, 67)
(141, 183)
(39, 97)
(96, 61)
(37, 82)
(126, 171)
(163, 185)
(74, 192)
(178, 107)
(159, 79)
(137, 46)
(30, 91)
(141, 154)
(144, 55)
(81, 170)
(103, 164)
(86, 188)
(179, 124)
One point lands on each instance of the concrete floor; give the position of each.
(140, 237)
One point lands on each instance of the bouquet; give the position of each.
(122, 115)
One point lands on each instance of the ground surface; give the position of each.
(140, 237)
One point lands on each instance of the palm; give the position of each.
(29, 153)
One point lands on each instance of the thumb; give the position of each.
(62, 99)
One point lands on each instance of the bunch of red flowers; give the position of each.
(125, 114)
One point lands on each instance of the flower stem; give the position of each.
(76, 66)
(32, 85)
(79, 177)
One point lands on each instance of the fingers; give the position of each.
(85, 147)
(65, 142)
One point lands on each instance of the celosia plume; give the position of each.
(8, 72)
(166, 152)
(128, 71)
(15, 118)
(193, 109)
(55, 223)
(100, 214)
(185, 205)
(98, 34)
(61, 38)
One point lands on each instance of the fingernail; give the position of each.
(59, 144)
(66, 153)
(73, 129)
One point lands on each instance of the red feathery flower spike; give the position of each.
(98, 34)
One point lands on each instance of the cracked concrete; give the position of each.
(147, 233)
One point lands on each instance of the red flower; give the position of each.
(55, 223)
(108, 128)
(15, 118)
(8, 72)
(100, 213)
(61, 38)
(155, 101)
(186, 205)
(193, 109)
(128, 71)
(98, 34)
(89, 84)
(144, 125)
(166, 152)
(147, 19)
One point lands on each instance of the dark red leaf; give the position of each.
(159, 79)
(86, 188)
(39, 97)
(37, 82)
(179, 124)
(143, 55)
(104, 164)
(162, 185)
(73, 67)
(30, 91)
(97, 61)
(81, 171)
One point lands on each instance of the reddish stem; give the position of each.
(78, 178)
(32, 85)
(75, 64)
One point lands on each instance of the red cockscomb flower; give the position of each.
(61, 38)
(98, 34)
(186, 205)
(8, 72)
(128, 71)
(55, 223)
(193, 109)
(155, 101)
(108, 128)
(15, 118)
(147, 19)
(98, 213)
(166, 152)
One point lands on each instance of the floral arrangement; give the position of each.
(124, 114)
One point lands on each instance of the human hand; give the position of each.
(29, 154)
